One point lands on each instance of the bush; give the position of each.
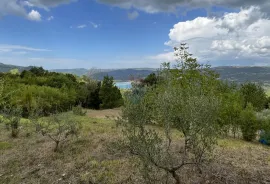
(79, 111)
(13, 118)
(60, 128)
(249, 123)
(109, 94)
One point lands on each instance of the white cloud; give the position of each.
(81, 26)
(244, 35)
(164, 57)
(94, 25)
(50, 18)
(133, 15)
(18, 48)
(34, 15)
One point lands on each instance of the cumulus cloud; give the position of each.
(244, 36)
(133, 15)
(34, 15)
(154, 6)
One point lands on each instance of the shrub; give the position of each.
(249, 123)
(78, 110)
(13, 118)
(60, 128)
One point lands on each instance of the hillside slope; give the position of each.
(243, 74)
(124, 74)
(7, 68)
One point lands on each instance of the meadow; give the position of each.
(94, 158)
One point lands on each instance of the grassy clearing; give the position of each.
(93, 159)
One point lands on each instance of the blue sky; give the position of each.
(132, 34)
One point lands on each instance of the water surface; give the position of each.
(123, 85)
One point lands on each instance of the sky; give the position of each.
(66, 34)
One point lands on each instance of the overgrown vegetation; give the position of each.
(189, 106)
(52, 92)
(187, 98)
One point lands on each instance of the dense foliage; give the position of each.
(109, 94)
(55, 92)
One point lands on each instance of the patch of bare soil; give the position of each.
(111, 113)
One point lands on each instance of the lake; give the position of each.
(123, 85)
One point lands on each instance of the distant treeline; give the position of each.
(52, 92)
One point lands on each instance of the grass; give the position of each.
(93, 157)
(5, 145)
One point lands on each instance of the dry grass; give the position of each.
(104, 113)
(91, 160)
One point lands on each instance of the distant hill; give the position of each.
(76, 71)
(81, 71)
(244, 74)
(231, 73)
(124, 74)
(7, 68)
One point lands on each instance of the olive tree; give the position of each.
(185, 102)
(59, 128)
